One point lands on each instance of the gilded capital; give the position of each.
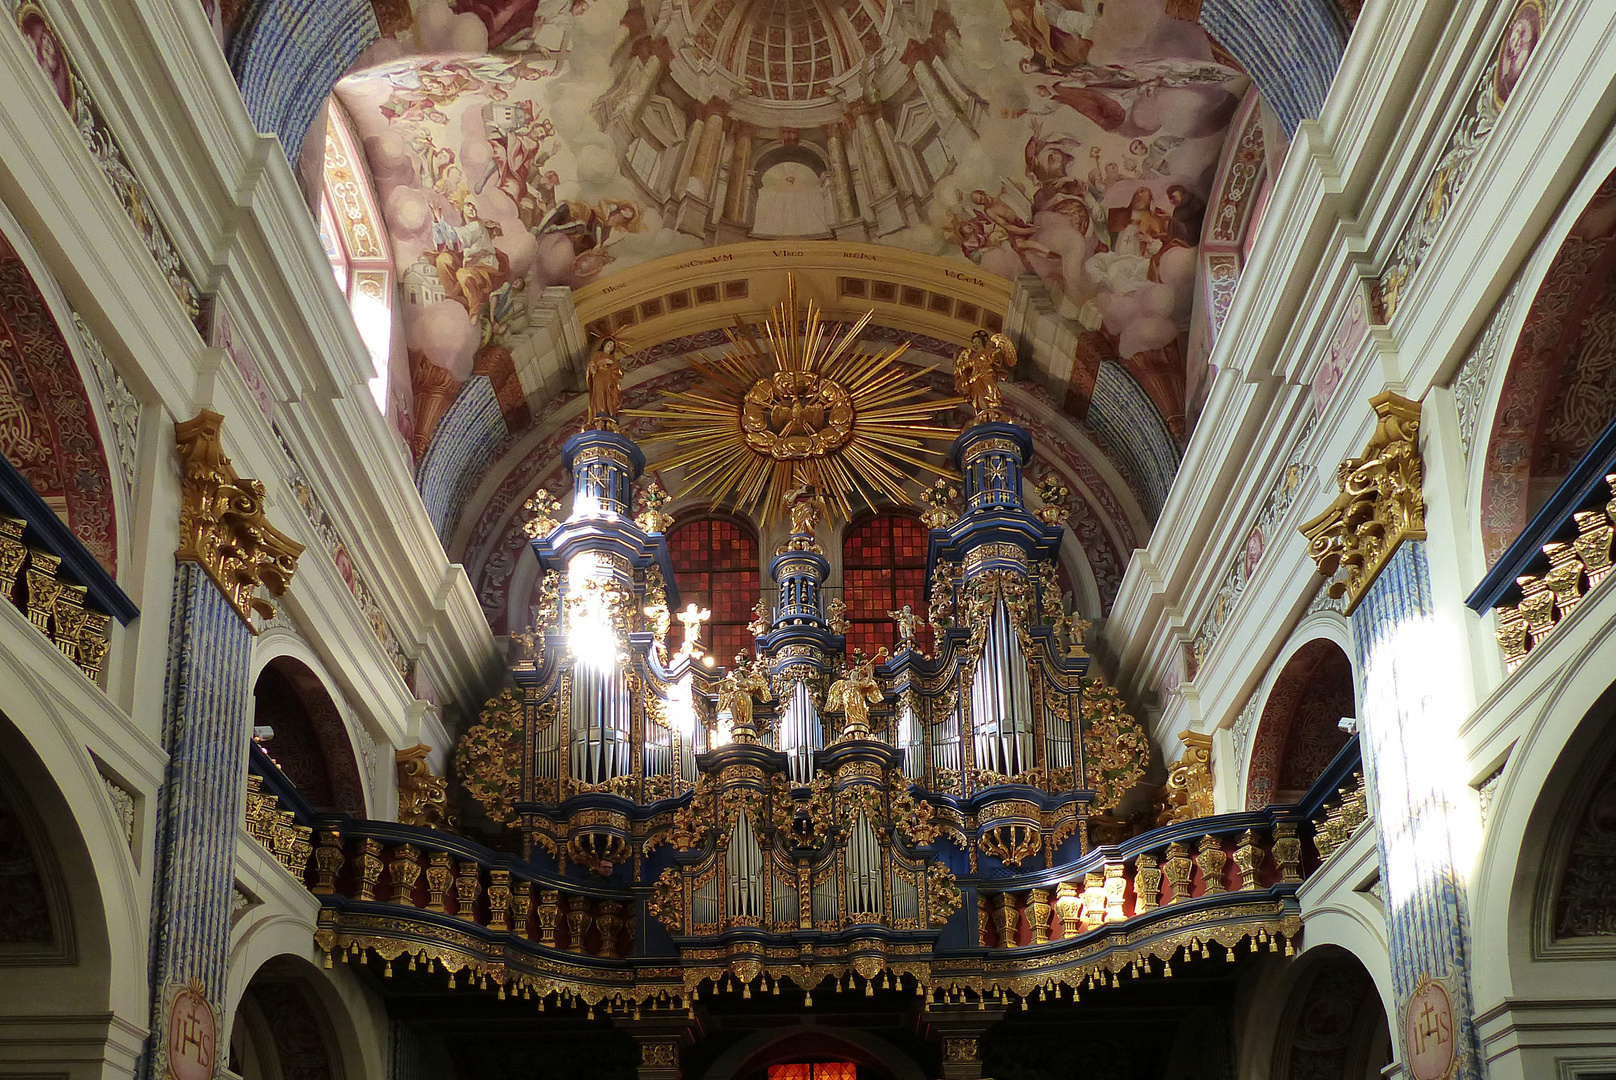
(1189, 785)
(222, 522)
(1381, 503)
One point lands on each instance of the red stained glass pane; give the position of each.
(883, 568)
(715, 564)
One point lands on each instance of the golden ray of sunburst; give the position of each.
(801, 405)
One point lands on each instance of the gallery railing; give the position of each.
(408, 899)
(1563, 555)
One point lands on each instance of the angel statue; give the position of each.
(605, 375)
(908, 622)
(836, 615)
(691, 619)
(853, 694)
(977, 371)
(735, 692)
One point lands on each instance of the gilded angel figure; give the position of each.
(977, 371)
(852, 695)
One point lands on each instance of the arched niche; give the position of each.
(48, 425)
(309, 741)
(750, 1058)
(1298, 732)
(1557, 393)
(1333, 1024)
(789, 197)
(292, 1023)
(57, 954)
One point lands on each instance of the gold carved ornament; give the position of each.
(801, 407)
(488, 758)
(1381, 502)
(423, 799)
(222, 524)
(1115, 746)
(1188, 793)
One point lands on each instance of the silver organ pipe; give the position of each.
(1001, 700)
(911, 739)
(1057, 736)
(745, 871)
(945, 741)
(864, 870)
(800, 734)
(547, 753)
(704, 903)
(657, 758)
(600, 723)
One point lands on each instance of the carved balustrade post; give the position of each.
(1068, 909)
(577, 922)
(406, 870)
(1147, 881)
(1116, 891)
(499, 898)
(1038, 915)
(1180, 871)
(549, 911)
(1288, 852)
(438, 875)
(328, 861)
(370, 867)
(467, 886)
(1211, 858)
(1093, 901)
(521, 904)
(609, 920)
(1009, 921)
(1248, 856)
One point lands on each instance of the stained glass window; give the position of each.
(818, 1070)
(883, 568)
(715, 563)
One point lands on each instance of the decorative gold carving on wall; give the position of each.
(222, 523)
(423, 799)
(1381, 502)
(1189, 785)
(488, 759)
(1116, 747)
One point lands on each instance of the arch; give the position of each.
(50, 433)
(1334, 1022)
(883, 569)
(1559, 389)
(288, 54)
(1291, 50)
(1297, 733)
(293, 1021)
(72, 942)
(715, 566)
(753, 1054)
(310, 742)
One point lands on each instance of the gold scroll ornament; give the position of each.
(1380, 504)
(222, 524)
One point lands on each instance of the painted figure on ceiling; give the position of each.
(469, 265)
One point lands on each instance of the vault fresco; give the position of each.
(518, 145)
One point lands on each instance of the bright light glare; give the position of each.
(375, 324)
(1427, 815)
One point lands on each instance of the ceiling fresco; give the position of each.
(521, 144)
(1058, 154)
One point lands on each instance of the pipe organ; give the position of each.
(804, 792)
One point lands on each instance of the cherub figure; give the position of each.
(977, 371)
(908, 623)
(762, 618)
(836, 616)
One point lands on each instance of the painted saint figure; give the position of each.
(468, 264)
(605, 377)
(977, 371)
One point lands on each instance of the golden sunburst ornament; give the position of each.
(801, 407)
